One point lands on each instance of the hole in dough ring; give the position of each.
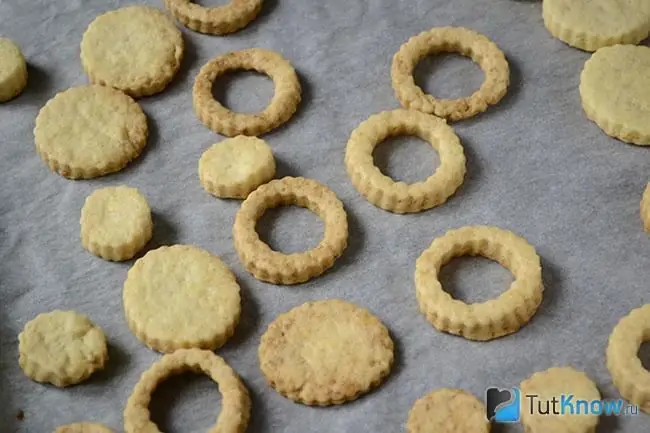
(235, 402)
(399, 197)
(223, 121)
(217, 20)
(450, 40)
(628, 374)
(275, 267)
(493, 318)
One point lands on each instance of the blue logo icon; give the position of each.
(503, 405)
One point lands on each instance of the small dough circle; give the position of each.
(645, 209)
(235, 167)
(136, 49)
(275, 267)
(62, 348)
(450, 39)
(219, 20)
(399, 197)
(181, 297)
(90, 131)
(83, 427)
(615, 92)
(13, 70)
(553, 383)
(448, 411)
(326, 352)
(235, 400)
(593, 24)
(115, 223)
(223, 121)
(493, 318)
(628, 373)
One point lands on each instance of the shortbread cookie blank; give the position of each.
(62, 348)
(325, 352)
(399, 197)
(90, 131)
(628, 373)
(235, 400)
(645, 209)
(555, 383)
(615, 92)
(115, 223)
(136, 49)
(226, 122)
(83, 427)
(496, 317)
(275, 267)
(592, 24)
(13, 70)
(217, 20)
(235, 167)
(457, 40)
(448, 411)
(181, 297)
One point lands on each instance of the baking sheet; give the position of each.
(536, 165)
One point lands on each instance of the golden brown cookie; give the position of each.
(219, 20)
(448, 411)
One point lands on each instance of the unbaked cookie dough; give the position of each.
(115, 223)
(615, 92)
(90, 131)
(448, 411)
(136, 49)
(326, 352)
(13, 70)
(181, 297)
(645, 208)
(219, 20)
(235, 167)
(62, 348)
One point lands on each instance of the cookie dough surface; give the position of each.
(448, 411)
(13, 70)
(62, 348)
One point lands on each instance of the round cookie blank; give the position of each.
(553, 383)
(448, 411)
(181, 297)
(62, 348)
(628, 373)
(645, 209)
(615, 92)
(83, 427)
(235, 167)
(13, 70)
(115, 223)
(273, 266)
(223, 121)
(399, 197)
(90, 131)
(325, 352)
(592, 24)
(493, 318)
(458, 40)
(136, 49)
(235, 400)
(220, 20)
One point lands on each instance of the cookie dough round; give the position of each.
(325, 352)
(181, 297)
(645, 208)
(90, 131)
(553, 383)
(62, 348)
(13, 70)
(136, 49)
(615, 92)
(116, 223)
(83, 427)
(235, 167)
(592, 24)
(220, 20)
(448, 411)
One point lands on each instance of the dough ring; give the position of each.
(443, 40)
(216, 20)
(278, 268)
(496, 317)
(235, 401)
(399, 197)
(628, 374)
(226, 122)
